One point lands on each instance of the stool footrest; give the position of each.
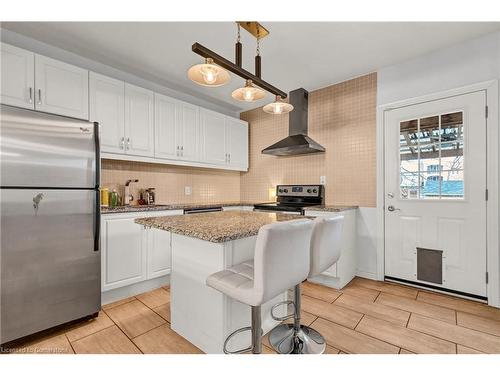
(283, 318)
(240, 351)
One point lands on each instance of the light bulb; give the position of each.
(248, 95)
(278, 109)
(209, 74)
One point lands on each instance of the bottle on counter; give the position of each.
(113, 198)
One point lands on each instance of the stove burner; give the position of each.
(294, 198)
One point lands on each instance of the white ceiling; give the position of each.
(295, 54)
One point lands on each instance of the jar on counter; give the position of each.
(113, 198)
(104, 197)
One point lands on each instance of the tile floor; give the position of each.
(365, 317)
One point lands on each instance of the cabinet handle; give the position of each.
(177, 152)
(128, 143)
(182, 150)
(229, 158)
(122, 143)
(31, 95)
(39, 97)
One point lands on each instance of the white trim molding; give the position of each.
(493, 165)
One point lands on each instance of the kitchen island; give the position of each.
(202, 244)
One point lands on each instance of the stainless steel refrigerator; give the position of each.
(50, 220)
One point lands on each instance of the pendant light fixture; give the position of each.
(215, 71)
(209, 74)
(278, 107)
(249, 93)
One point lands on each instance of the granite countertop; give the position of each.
(217, 226)
(165, 207)
(331, 208)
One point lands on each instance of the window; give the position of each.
(431, 157)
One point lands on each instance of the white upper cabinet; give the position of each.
(17, 77)
(188, 131)
(61, 88)
(139, 121)
(166, 142)
(107, 107)
(213, 138)
(237, 143)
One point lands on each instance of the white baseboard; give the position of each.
(367, 275)
(134, 289)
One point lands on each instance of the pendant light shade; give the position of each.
(278, 107)
(209, 74)
(249, 93)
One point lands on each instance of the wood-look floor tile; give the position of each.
(108, 341)
(134, 318)
(451, 332)
(419, 307)
(87, 328)
(331, 350)
(154, 298)
(305, 318)
(360, 292)
(118, 303)
(382, 286)
(460, 304)
(478, 323)
(319, 291)
(403, 337)
(163, 311)
(404, 351)
(351, 341)
(465, 350)
(53, 344)
(163, 340)
(334, 313)
(376, 310)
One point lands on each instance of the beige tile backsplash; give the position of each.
(207, 185)
(342, 118)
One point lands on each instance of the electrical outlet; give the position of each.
(322, 180)
(187, 190)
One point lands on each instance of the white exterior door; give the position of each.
(107, 107)
(213, 139)
(237, 139)
(139, 121)
(18, 77)
(435, 193)
(166, 143)
(61, 88)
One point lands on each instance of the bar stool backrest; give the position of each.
(281, 258)
(326, 243)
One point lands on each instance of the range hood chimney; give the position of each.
(297, 142)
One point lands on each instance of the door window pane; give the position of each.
(431, 157)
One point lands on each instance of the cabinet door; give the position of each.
(139, 121)
(166, 142)
(159, 253)
(61, 88)
(107, 107)
(237, 147)
(18, 77)
(188, 131)
(213, 138)
(123, 252)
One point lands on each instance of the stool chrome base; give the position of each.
(307, 340)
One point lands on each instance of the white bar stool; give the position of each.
(280, 262)
(325, 252)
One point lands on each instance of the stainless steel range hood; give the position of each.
(298, 142)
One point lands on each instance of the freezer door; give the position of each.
(50, 269)
(42, 150)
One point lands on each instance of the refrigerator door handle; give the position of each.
(97, 221)
(97, 155)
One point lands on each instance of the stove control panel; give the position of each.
(299, 190)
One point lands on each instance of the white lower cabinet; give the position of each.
(132, 253)
(340, 274)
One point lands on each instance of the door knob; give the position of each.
(392, 208)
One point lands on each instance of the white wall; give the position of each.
(460, 65)
(36, 46)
